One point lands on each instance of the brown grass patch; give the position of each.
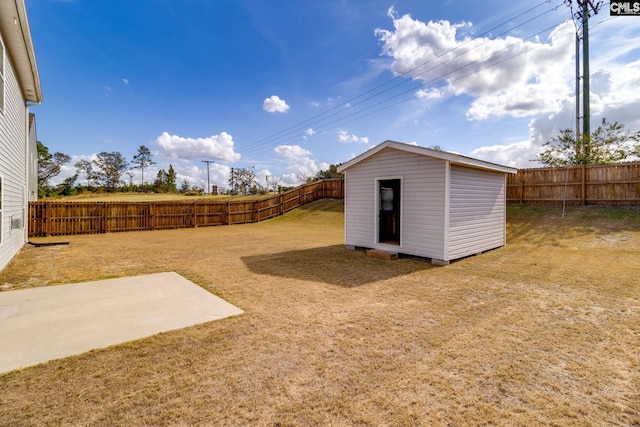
(544, 331)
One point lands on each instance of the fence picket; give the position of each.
(612, 184)
(53, 218)
(615, 184)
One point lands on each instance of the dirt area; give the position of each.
(544, 331)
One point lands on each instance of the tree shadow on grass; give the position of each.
(333, 265)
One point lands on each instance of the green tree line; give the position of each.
(102, 174)
(105, 174)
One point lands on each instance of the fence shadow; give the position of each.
(333, 265)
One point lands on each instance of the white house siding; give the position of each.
(477, 211)
(13, 164)
(422, 202)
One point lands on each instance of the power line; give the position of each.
(364, 112)
(586, 7)
(357, 115)
(339, 109)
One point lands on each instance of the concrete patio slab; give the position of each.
(42, 324)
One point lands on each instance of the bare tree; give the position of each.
(49, 165)
(241, 180)
(110, 166)
(86, 167)
(142, 160)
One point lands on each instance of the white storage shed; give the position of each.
(413, 200)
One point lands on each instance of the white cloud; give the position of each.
(506, 76)
(197, 175)
(125, 81)
(308, 133)
(291, 151)
(274, 104)
(391, 13)
(290, 179)
(517, 155)
(345, 137)
(217, 147)
(262, 176)
(512, 77)
(430, 93)
(300, 163)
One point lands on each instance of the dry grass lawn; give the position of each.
(545, 331)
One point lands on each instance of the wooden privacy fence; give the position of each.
(612, 184)
(55, 218)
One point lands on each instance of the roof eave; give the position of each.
(443, 155)
(14, 25)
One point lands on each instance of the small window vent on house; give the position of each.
(16, 223)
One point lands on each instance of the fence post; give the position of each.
(152, 216)
(584, 185)
(228, 213)
(195, 223)
(254, 212)
(521, 173)
(47, 223)
(103, 218)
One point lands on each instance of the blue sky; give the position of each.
(290, 87)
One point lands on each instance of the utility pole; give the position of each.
(208, 162)
(577, 86)
(586, 111)
(232, 183)
(586, 8)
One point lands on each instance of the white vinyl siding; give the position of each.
(422, 202)
(1, 214)
(477, 211)
(13, 165)
(2, 74)
(451, 206)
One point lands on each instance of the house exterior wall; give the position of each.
(423, 195)
(13, 166)
(477, 211)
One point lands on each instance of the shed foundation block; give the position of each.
(382, 254)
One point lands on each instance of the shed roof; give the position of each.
(14, 26)
(430, 152)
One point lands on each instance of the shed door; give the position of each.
(389, 211)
